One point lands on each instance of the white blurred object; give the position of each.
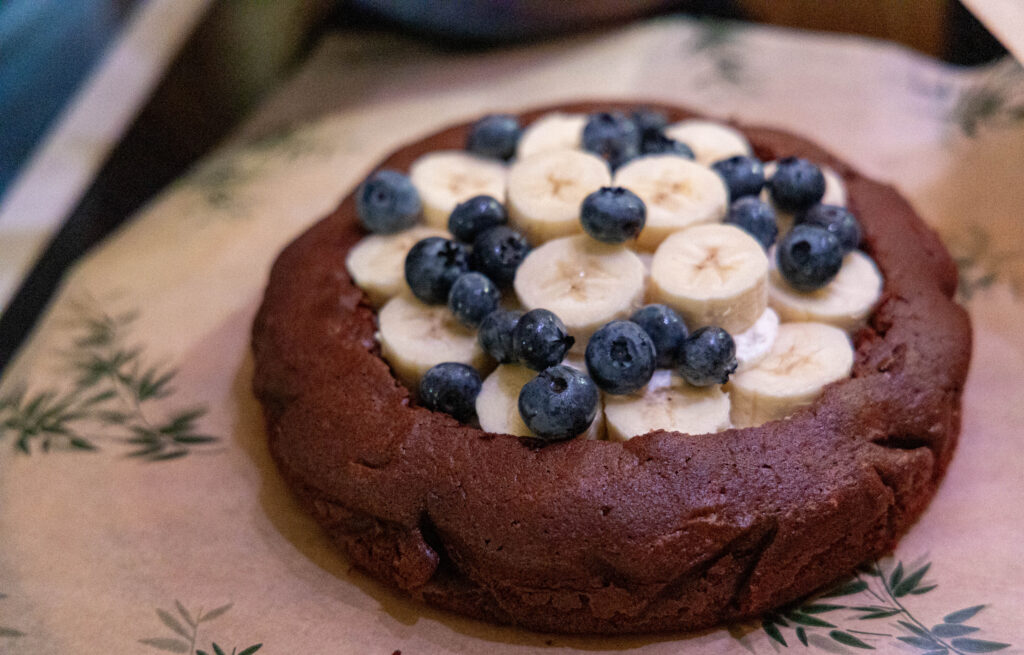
(1004, 19)
(65, 163)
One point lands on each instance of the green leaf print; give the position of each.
(115, 392)
(879, 599)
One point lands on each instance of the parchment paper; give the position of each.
(140, 513)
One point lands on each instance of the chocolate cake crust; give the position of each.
(666, 531)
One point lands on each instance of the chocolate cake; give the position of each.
(666, 531)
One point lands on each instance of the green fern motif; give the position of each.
(871, 596)
(113, 387)
(983, 261)
(185, 627)
(9, 632)
(994, 101)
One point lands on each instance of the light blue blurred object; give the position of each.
(47, 47)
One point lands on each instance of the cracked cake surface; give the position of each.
(666, 531)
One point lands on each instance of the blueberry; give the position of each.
(666, 330)
(498, 252)
(387, 202)
(808, 257)
(475, 215)
(612, 136)
(707, 357)
(433, 265)
(495, 335)
(620, 357)
(659, 144)
(837, 220)
(613, 214)
(756, 217)
(649, 121)
(473, 296)
(796, 184)
(495, 136)
(540, 339)
(451, 388)
(560, 403)
(743, 175)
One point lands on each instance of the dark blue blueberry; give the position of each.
(387, 202)
(808, 257)
(498, 252)
(495, 136)
(495, 335)
(540, 339)
(451, 388)
(666, 330)
(659, 144)
(707, 357)
(743, 175)
(649, 121)
(560, 403)
(473, 297)
(837, 220)
(756, 217)
(475, 215)
(613, 214)
(620, 357)
(433, 265)
(796, 184)
(612, 136)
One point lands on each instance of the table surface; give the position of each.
(139, 505)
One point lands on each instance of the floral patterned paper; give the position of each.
(133, 466)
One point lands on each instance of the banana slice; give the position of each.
(497, 405)
(754, 343)
(554, 131)
(835, 194)
(666, 403)
(710, 141)
(414, 336)
(804, 358)
(377, 262)
(844, 302)
(585, 282)
(447, 177)
(545, 192)
(712, 275)
(678, 193)
(835, 188)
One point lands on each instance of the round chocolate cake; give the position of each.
(665, 531)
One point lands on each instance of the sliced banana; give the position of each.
(678, 193)
(497, 405)
(712, 275)
(585, 282)
(447, 177)
(554, 131)
(666, 403)
(647, 259)
(835, 188)
(804, 358)
(377, 262)
(414, 336)
(845, 302)
(545, 192)
(754, 343)
(710, 141)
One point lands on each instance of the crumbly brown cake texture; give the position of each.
(663, 532)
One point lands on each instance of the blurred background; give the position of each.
(196, 68)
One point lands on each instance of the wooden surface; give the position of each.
(920, 24)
